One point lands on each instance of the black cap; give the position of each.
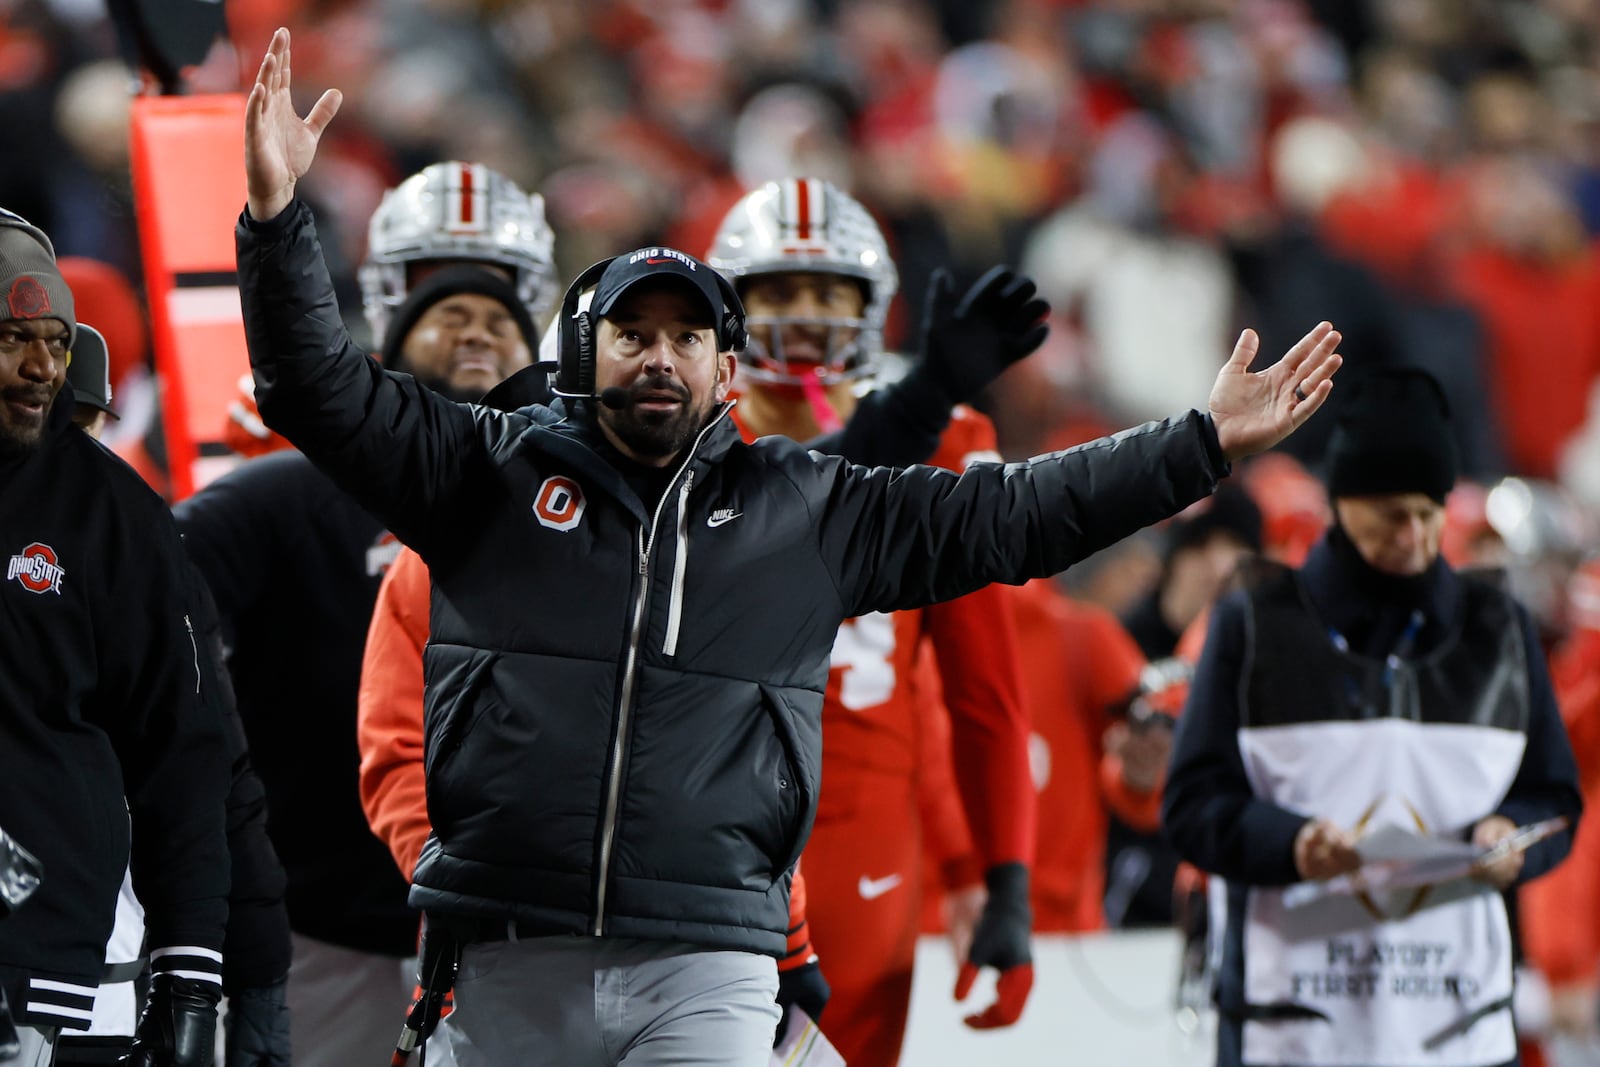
(1393, 436)
(628, 270)
(448, 281)
(89, 372)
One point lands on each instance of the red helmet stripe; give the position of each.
(802, 210)
(466, 196)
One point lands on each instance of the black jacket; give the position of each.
(256, 950)
(294, 565)
(623, 724)
(99, 700)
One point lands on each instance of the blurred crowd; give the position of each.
(1424, 173)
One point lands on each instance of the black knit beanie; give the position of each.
(448, 281)
(1393, 436)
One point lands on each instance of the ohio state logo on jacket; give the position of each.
(559, 503)
(36, 569)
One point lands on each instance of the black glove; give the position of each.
(257, 1027)
(178, 1026)
(805, 987)
(1001, 941)
(967, 345)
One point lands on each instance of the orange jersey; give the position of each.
(389, 728)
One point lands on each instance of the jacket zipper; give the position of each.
(630, 671)
(194, 646)
(680, 564)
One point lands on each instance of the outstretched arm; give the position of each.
(910, 538)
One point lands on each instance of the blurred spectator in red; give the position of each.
(1532, 276)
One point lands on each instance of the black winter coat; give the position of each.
(624, 706)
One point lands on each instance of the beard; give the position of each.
(13, 447)
(655, 434)
(471, 393)
(19, 441)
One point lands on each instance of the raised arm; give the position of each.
(396, 446)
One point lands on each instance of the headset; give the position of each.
(575, 354)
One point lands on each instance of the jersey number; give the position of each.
(864, 650)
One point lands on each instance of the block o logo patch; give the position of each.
(559, 503)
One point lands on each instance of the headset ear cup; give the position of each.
(575, 338)
(733, 336)
(583, 337)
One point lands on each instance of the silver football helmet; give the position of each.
(457, 211)
(807, 224)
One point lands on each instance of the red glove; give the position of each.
(1001, 942)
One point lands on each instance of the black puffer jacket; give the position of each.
(624, 708)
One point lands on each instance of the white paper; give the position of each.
(1393, 857)
(803, 1044)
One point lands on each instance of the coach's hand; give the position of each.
(1001, 942)
(1254, 410)
(278, 144)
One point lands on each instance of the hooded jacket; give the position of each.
(623, 711)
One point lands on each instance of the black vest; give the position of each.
(1297, 670)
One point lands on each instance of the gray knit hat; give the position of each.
(31, 286)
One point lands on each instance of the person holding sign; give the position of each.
(1374, 693)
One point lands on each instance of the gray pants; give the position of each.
(611, 1002)
(346, 1007)
(38, 1044)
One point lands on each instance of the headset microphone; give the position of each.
(614, 398)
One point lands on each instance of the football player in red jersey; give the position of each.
(816, 279)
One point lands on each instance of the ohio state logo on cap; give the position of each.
(36, 569)
(559, 503)
(28, 299)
